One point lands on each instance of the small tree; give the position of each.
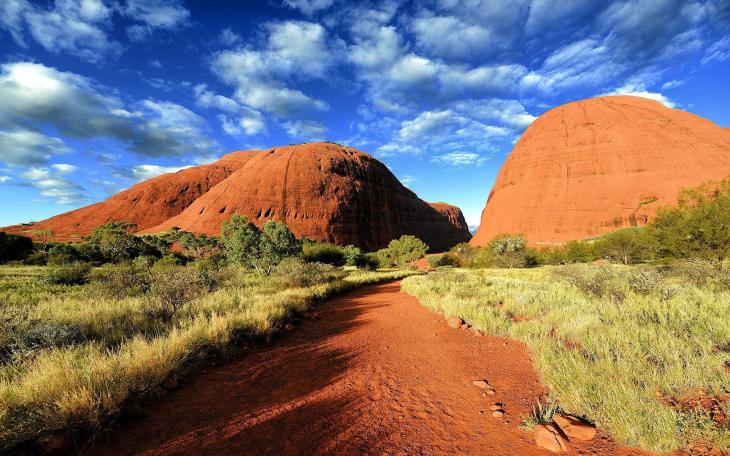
(510, 251)
(402, 251)
(629, 245)
(699, 227)
(171, 287)
(14, 248)
(115, 241)
(246, 245)
(198, 246)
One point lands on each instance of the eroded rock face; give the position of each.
(592, 166)
(324, 192)
(146, 204)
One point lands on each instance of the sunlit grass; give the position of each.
(605, 357)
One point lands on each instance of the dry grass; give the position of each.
(609, 349)
(126, 353)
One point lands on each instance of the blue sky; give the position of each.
(96, 95)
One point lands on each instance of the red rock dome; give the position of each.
(592, 166)
(326, 192)
(146, 204)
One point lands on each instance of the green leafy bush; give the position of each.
(61, 253)
(402, 251)
(122, 279)
(261, 250)
(323, 252)
(446, 259)
(68, 274)
(596, 281)
(171, 287)
(295, 273)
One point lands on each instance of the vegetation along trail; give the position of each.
(371, 372)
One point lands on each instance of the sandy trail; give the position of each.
(376, 373)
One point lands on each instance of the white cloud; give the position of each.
(35, 96)
(644, 94)
(460, 159)
(719, 51)
(427, 123)
(143, 172)
(450, 37)
(28, 147)
(51, 184)
(64, 168)
(4, 179)
(152, 15)
(76, 27)
(305, 129)
(229, 38)
(394, 148)
(309, 7)
(295, 49)
(510, 113)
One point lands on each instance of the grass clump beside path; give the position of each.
(644, 353)
(71, 357)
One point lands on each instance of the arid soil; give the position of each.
(372, 373)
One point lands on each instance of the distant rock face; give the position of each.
(324, 192)
(146, 204)
(596, 165)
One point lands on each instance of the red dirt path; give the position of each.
(375, 374)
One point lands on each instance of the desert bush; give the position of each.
(644, 280)
(596, 281)
(197, 246)
(402, 251)
(262, 249)
(323, 252)
(171, 287)
(14, 247)
(446, 259)
(353, 255)
(368, 261)
(61, 253)
(36, 259)
(67, 274)
(505, 251)
(628, 245)
(698, 226)
(122, 279)
(296, 273)
(116, 242)
(696, 271)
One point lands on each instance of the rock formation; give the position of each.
(146, 204)
(592, 166)
(324, 192)
(321, 191)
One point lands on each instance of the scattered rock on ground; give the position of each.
(170, 383)
(483, 384)
(498, 413)
(574, 427)
(496, 406)
(465, 326)
(454, 322)
(548, 436)
(289, 327)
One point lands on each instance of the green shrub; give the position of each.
(628, 245)
(36, 259)
(353, 255)
(68, 274)
(122, 279)
(596, 281)
(402, 251)
(446, 259)
(261, 250)
(323, 252)
(643, 281)
(295, 273)
(171, 287)
(61, 253)
(368, 261)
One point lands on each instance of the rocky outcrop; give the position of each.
(146, 204)
(592, 166)
(323, 191)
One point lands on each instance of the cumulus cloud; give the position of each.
(309, 7)
(143, 172)
(305, 129)
(29, 147)
(83, 28)
(295, 49)
(52, 184)
(460, 159)
(36, 96)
